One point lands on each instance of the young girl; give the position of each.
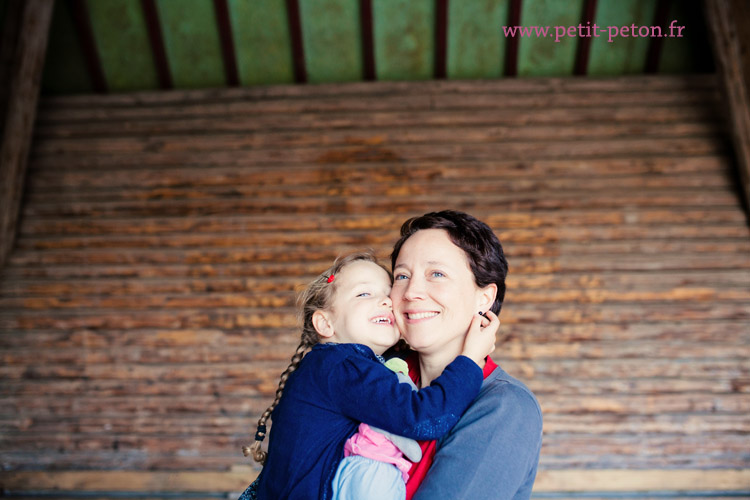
(348, 322)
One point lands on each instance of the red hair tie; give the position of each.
(331, 278)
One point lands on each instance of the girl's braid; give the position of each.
(258, 454)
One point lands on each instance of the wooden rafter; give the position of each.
(23, 75)
(729, 27)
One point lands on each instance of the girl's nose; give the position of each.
(387, 302)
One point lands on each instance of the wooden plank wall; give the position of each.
(148, 307)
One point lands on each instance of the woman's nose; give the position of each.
(414, 289)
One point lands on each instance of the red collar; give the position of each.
(413, 361)
(489, 367)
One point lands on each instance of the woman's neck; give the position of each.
(431, 365)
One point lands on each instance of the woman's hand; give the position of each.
(480, 341)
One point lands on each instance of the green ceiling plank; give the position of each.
(622, 55)
(691, 52)
(123, 45)
(332, 39)
(262, 42)
(65, 69)
(404, 33)
(543, 56)
(191, 40)
(476, 45)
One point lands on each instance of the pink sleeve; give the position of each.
(371, 444)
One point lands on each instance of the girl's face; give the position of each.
(434, 293)
(362, 311)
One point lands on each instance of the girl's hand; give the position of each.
(480, 341)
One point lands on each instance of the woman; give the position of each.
(447, 266)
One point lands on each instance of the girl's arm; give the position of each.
(367, 391)
(370, 393)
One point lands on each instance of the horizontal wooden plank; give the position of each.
(383, 103)
(671, 424)
(127, 459)
(528, 96)
(728, 223)
(527, 171)
(666, 83)
(644, 446)
(550, 480)
(642, 480)
(260, 190)
(646, 404)
(511, 150)
(393, 136)
(54, 125)
(379, 204)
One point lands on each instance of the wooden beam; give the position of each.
(298, 48)
(727, 481)
(729, 27)
(8, 42)
(368, 42)
(22, 93)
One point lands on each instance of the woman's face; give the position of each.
(434, 294)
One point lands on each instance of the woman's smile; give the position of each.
(412, 316)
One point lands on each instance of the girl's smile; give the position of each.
(386, 319)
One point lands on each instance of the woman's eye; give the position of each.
(400, 277)
(437, 274)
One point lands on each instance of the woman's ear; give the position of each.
(487, 297)
(322, 323)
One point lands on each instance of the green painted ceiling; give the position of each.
(115, 35)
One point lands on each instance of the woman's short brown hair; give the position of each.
(474, 237)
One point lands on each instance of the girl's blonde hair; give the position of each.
(317, 296)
